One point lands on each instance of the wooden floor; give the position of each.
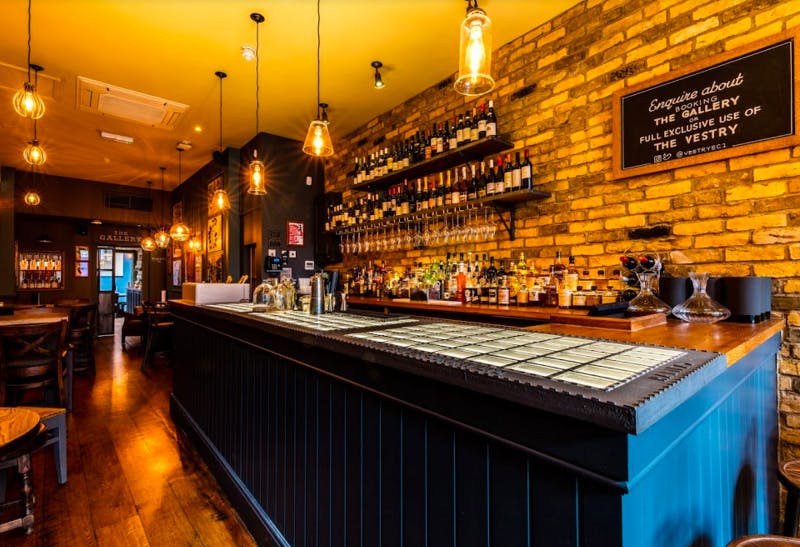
(132, 479)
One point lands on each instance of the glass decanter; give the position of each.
(700, 308)
(646, 301)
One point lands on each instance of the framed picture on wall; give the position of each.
(176, 273)
(214, 234)
(81, 261)
(294, 233)
(215, 267)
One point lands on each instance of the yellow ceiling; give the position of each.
(171, 49)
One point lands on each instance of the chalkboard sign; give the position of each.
(736, 103)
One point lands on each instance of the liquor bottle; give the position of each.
(558, 269)
(503, 292)
(508, 175)
(473, 128)
(491, 281)
(572, 275)
(482, 122)
(516, 173)
(499, 185)
(522, 267)
(452, 136)
(526, 173)
(491, 121)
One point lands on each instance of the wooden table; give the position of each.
(22, 317)
(20, 431)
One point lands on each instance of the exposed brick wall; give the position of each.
(733, 217)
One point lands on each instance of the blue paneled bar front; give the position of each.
(320, 441)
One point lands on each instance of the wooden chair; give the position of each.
(32, 357)
(159, 329)
(134, 324)
(82, 323)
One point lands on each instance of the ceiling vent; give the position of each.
(110, 100)
(123, 201)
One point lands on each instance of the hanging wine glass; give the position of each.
(700, 307)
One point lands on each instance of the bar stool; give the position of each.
(159, 328)
(22, 432)
(764, 541)
(789, 476)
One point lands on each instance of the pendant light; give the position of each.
(147, 243)
(318, 139)
(27, 102)
(161, 236)
(378, 79)
(220, 201)
(32, 198)
(257, 185)
(475, 53)
(34, 154)
(179, 231)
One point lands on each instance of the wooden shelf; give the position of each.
(473, 151)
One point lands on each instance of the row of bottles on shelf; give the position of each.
(451, 187)
(40, 261)
(474, 280)
(469, 127)
(40, 279)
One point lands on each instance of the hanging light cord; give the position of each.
(161, 197)
(29, 40)
(318, 58)
(258, 47)
(220, 113)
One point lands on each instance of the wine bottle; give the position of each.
(516, 173)
(508, 175)
(628, 262)
(482, 122)
(473, 128)
(491, 121)
(452, 135)
(526, 173)
(460, 131)
(490, 179)
(454, 189)
(499, 178)
(440, 191)
(480, 191)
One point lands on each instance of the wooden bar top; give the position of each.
(734, 340)
(534, 313)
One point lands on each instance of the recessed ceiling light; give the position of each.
(96, 221)
(198, 128)
(248, 53)
(124, 139)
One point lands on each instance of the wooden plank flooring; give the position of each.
(133, 480)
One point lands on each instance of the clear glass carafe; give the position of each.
(646, 301)
(700, 308)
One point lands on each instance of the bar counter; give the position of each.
(382, 431)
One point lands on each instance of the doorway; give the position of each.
(117, 269)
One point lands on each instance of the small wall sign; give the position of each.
(294, 233)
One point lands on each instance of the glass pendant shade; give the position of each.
(32, 199)
(162, 238)
(258, 185)
(28, 103)
(475, 53)
(148, 243)
(318, 140)
(220, 201)
(179, 232)
(34, 154)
